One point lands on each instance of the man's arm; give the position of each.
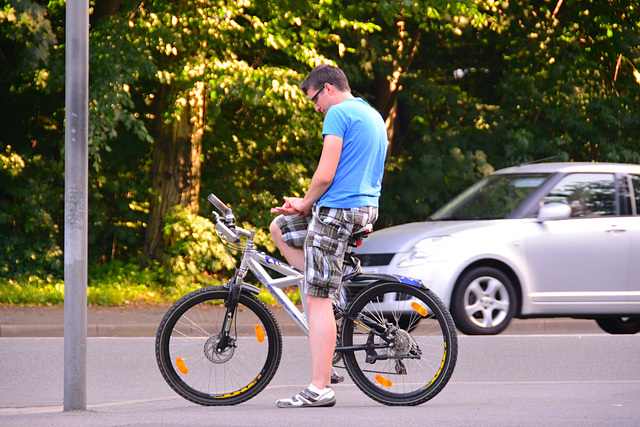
(321, 181)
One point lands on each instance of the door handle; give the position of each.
(616, 230)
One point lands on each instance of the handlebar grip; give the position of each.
(229, 234)
(218, 204)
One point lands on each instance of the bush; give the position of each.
(30, 213)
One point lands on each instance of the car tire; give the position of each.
(483, 302)
(620, 325)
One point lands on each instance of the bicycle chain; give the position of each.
(370, 371)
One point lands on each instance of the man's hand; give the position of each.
(321, 181)
(292, 206)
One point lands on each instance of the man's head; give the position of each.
(325, 73)
(326, 85)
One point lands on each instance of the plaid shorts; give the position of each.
(324, 235)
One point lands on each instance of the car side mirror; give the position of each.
(554, 211)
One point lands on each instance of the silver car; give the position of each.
(538, 240)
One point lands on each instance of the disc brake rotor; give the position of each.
(211, 350)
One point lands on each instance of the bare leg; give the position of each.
(294, 256)
(322, 337)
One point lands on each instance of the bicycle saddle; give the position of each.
(356, 238)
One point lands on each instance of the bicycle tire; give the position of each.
(189, 333)
(422, 361)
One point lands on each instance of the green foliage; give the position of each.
(257, 154)
(31, 174)
(465, 87)
(117, 283)
(118, 206)
(30, 216)
(195, 254)
(112, 284)
(32, 290)
(194, 251)
(22, 23)
(572, 85)
(505, 83)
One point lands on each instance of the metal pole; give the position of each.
(76, 204)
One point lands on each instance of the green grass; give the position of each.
(109, 291)
(36, 291)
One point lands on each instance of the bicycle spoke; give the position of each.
(410, 362)
(195, 364)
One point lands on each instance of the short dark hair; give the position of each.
(326, 73)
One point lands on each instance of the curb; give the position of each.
(7, 331)
(517, 327)
(103, 331)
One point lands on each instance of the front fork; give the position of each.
(231, 303)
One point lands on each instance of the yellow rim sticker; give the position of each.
(420, 309)
(259, 333)
(383, 381)
(181, 366)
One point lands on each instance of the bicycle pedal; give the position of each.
(335, 378)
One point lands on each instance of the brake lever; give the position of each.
(221, 225)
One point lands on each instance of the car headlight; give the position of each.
(422, 251)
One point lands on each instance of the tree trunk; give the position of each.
(388, 89)
(176, 164)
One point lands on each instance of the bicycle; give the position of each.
(221, 345)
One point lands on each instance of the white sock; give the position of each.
(316, 389)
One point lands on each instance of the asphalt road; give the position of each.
(520, 380)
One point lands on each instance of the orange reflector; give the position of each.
(383, 381)
(181, 366)
(259, 333)
(420, 309)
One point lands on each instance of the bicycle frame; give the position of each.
(258, 262)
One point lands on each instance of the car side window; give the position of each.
(635, 179)
(588, 194)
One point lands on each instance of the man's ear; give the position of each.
(329, 88)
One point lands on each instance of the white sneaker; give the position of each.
(309, 398)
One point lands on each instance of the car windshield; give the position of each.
(493, 197)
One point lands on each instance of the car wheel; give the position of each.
(483, 302)
(620, 325)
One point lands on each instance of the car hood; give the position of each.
(401, 238)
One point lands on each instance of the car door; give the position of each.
(634, 270)
(583, 259)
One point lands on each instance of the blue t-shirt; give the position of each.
(358, 178)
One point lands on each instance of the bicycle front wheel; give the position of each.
(405, 343)
(187, 348)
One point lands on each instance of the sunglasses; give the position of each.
(314, 98)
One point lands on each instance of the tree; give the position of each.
(472, 88)
(192, 97)
(30, 163)
(573, 82)
(195, 60)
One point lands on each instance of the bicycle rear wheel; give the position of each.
(186, 345)
(404, 368)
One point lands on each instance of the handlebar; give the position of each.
(226, 224)
(224, 209)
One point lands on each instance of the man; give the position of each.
(312, 232)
